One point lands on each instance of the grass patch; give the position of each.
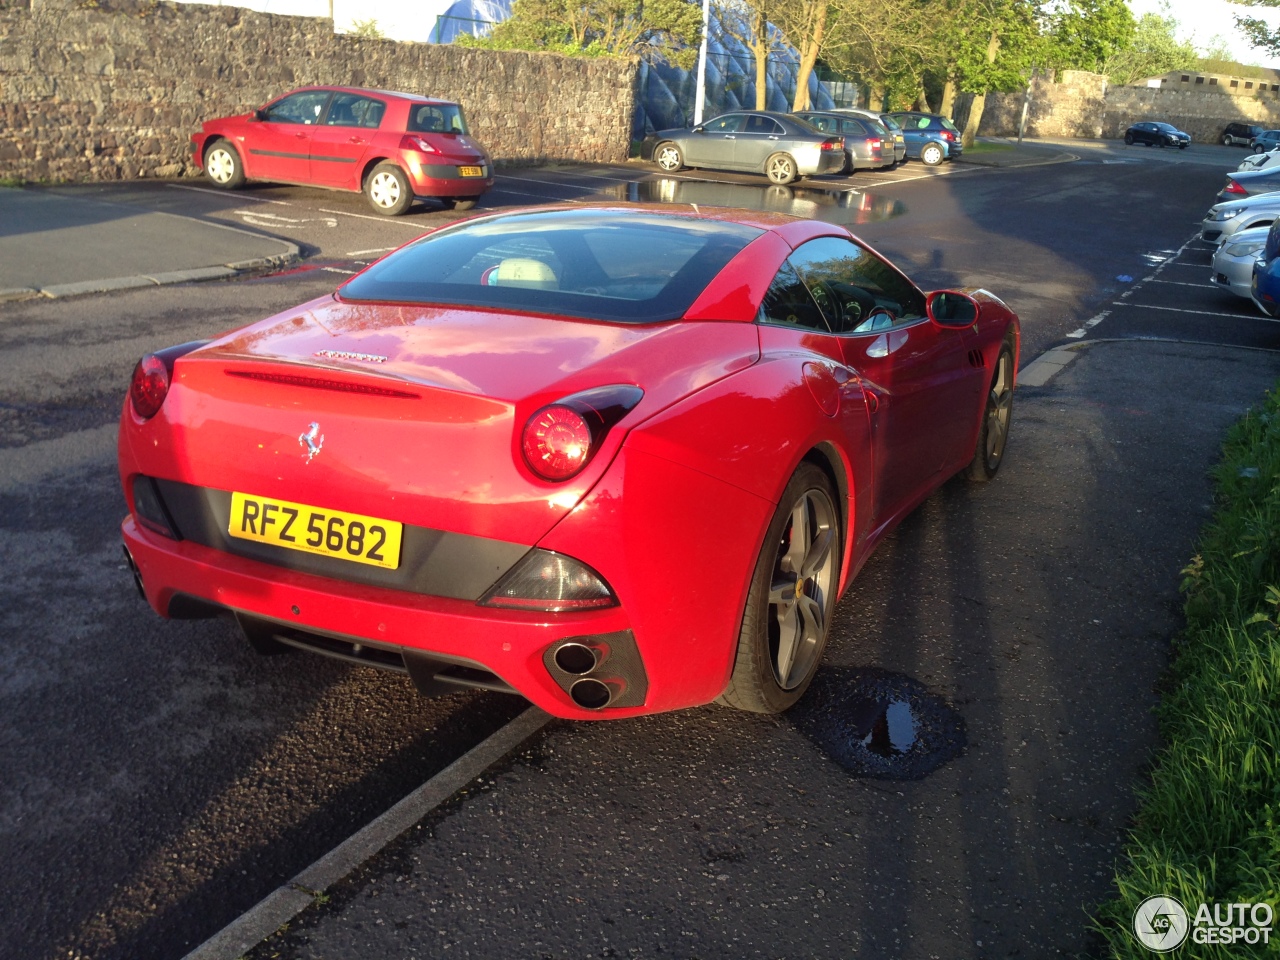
(980, 147)
(1208, 828)
(12, 181)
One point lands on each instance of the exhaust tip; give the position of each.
(133, 569)
(591, 694)
(576, 658)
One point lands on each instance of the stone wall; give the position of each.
(1079, 104)
(91, 93)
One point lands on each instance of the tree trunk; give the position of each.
(875, 97)
(809, 55)
(979, 99)
(761, 50)
(948, 105)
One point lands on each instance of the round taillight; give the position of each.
(149, 386)
(557, 442)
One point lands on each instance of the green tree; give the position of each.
(1259, 32)
(1085, 34)
(1155, 50)
(748, 22)
(657, 29)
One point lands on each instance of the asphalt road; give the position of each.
(159, 778)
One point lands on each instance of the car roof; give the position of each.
(371, 91)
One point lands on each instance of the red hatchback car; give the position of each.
(392, 146)
(616, 459)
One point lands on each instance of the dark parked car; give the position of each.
(890, 124)
(930, 137)
(780, 146)
(1156, 134)
(1240, 134)
(867, 144)
(391, 146)
(1266, 140)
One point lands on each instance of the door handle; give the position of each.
(355, 139)
(773, 137)
(729, 136)
(301, 136)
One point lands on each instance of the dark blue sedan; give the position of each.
(1156, 134)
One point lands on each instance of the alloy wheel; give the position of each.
(802, 588)
(999, 411)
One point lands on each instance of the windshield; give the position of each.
(891, 123)
(436, 118)
(618, 265)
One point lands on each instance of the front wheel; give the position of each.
(388, 190)
(668, 157)
(931, 154)
(993, 435)
(1128, 139)
(1226, 141)
(222, 166)
(780, 168)
(791, 600)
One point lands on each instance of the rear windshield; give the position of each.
(891, 123)
(948, 125)
(622, 266)
(436, 118)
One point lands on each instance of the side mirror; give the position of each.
(699, 129)
(949, 308)
(259, 115)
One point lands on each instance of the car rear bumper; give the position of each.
(448, 180)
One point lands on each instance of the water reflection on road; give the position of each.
(843, 206)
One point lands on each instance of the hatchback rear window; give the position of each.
(622, 266)
(436, 118)
(948, 125)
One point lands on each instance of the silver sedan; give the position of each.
(1233, 261)
(758, 141)
(1225, 220)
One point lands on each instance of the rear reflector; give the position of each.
(321, 383)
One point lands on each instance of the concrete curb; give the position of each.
(283, 904)
(1045, 367)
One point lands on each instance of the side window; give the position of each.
(825, 124)
(857, 291)
(730, 123)
(852, 126)
(353, 110)
(304, 107)
(757, 124)
(787, 302)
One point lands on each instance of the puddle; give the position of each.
(879, 724)
(846, 207)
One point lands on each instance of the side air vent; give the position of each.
(975, 359)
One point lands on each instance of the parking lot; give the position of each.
(162, 779)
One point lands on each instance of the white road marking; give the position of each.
(361, 216)
(271, 220)
(1179, 283)
(361, 253)
(1203, 313)
(224, 193)
(345, 273)
(1089, 325)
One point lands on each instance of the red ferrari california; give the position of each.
(392, 146)
(616, 459)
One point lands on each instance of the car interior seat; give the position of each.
(525, 272)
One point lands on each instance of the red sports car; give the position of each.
(616, 459)
(391, 146)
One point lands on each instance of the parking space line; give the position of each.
(224, 194)
(1089, 325)
(364, 216)
(361, 253)
(1179, 283)
(535, 196)
(1203, 313)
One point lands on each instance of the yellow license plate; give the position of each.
(471, 171)
(330, 533)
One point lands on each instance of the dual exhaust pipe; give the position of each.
(578, 660)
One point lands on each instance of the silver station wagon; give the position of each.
(780, 146)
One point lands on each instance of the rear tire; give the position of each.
(1226, 141)
(997, 415)
(931, 154)
(668, 157)
(388, 190)
(791, 600)
(1128, 139)
(780, 169)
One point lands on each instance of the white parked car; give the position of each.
(1224, 220)
(1260, 161)
(1233, 260)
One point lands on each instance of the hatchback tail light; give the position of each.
(151, 377)
(874, 144)
(1233, 186)
(949, 136)
(562, 437)
(411, 142)
(833, 145)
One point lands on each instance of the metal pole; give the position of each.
(1026, 102)
(700, 98)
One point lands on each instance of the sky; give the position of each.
(1200, 20)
